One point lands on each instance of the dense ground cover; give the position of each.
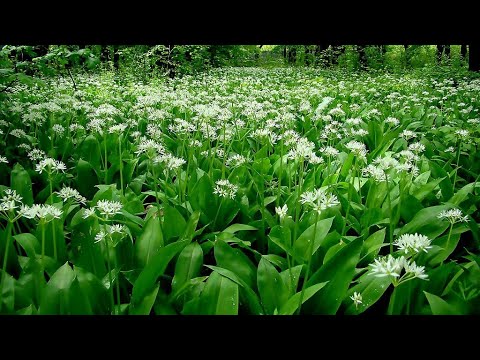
(242, 191)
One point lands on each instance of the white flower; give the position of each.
(109, 208)
(413, 243)
(117, 129)
(450, 149)
(356, 298)
(149, 146)
(236, 160)
(416, 147)
(387, 266)
(36, 154)
(88, 213)
(463, 134)
(69, 193)
(329, 151)
(319, 199)
(224, 188)
(18, 133)
(415, 270)
(453, 216)
(374, 172)
(281, 211)
(58, 129)
(393, 121)
(358, 148)
(408, 134)
(49, 165)
(3, 160)
(171, 162)
(43, 212)
(100, 236)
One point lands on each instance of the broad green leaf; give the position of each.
(426, 222)
(440, 306)
(239, 227)
(219, 297)
(371, 245)
(273, 291)
(462, 194)
(188, 265)
(29, 243)
(292, 304)
(303, 243)
(86, 179)
(338, 271)
(149, 275)
(20, 182)
(248, 296)
(150, 242)
(236, 261)
(145, 306)
(371, 289)
(174, 222)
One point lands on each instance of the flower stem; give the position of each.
(390, 229)
(120, 163)
(112, 301)
(5, 258)
(309, 263)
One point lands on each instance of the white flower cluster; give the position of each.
(413, 243)
(358, 148)
(112, 230)
(107, 208)
(3, 160)
(50, 165)
(388, 266)
(171, 162)
(318, 199)
(281, 211)
(9, 201)
(42, 212)
(67, 193)
(225, 188)
(235, 160)
(453, 216)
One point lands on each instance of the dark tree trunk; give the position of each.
(337, 51)
(292, 55)
(463, 52)
(116, 56)
(474, 57)
(439, 53)
(284, 52)
(362, 57)
(447, 51)
(104, 53)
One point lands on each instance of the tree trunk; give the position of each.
(474, 57)
(362, 59)
(463, 52)
(447, 51)
(439, 53)
(116, 57)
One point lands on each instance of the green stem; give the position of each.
(390, 223)
(349, 199)
(43, 247)
(449, 235)
(456, 168)
(106, 158)
(5, 258)
(216, 215)
(112, 301)
(297, 203)
(309, 263)
(117, 283)
(120, 163)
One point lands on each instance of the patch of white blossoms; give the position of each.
(318, 199)
(453, 216)
(413, 243)
(50, 165)
(397, 269)
(67, 193)
(225, 188)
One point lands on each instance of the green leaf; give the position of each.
(426, 222)
(249, 297)
(371, 246)
(86, 179)
(239, 227)
(149, 275)
(189, 232)
(29, 243)
(219, 297)
(273, 291)
(371, 288)
(302, 244)
(202, 198)
(90, 151)
(339, 271)
(292, 304)
(188, 265)
(149, 243)
(440, 306)
(20, 182)
(175, 223)
(145, 306)
(462, 194)
(290, 277)
(236, 261)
